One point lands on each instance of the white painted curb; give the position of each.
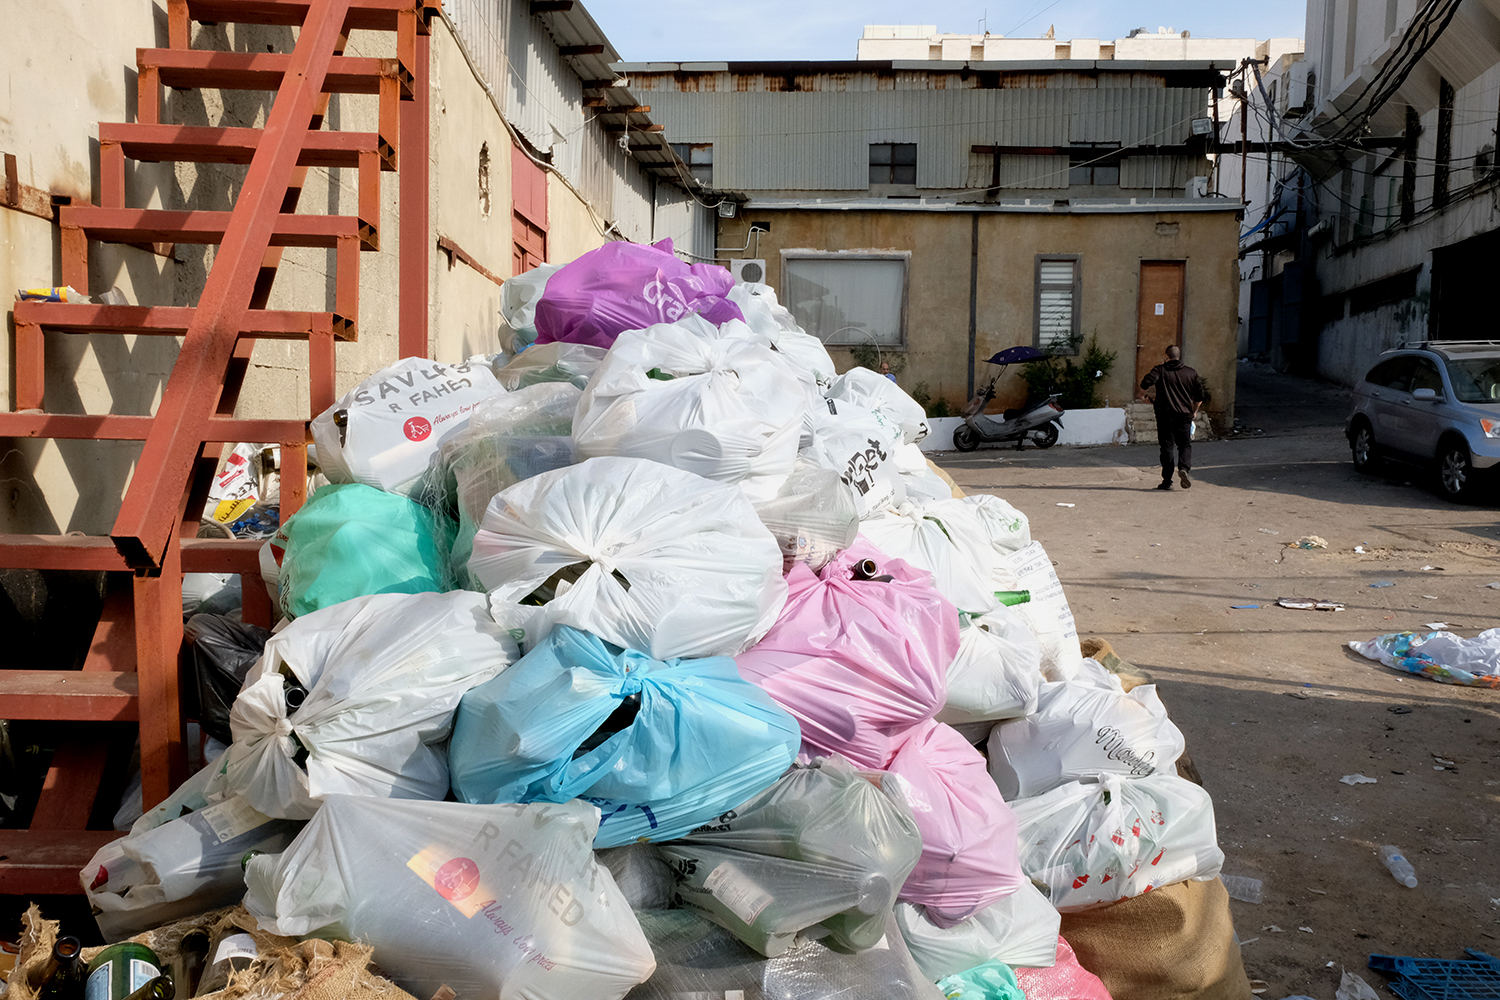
(1080, 428)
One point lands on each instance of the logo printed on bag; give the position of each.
(417, 428)
(1115, 748)
(457, 879)
(862, 466)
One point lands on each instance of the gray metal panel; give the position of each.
(1033, 173)
(1162, 173)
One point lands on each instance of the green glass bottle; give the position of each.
(119, 970)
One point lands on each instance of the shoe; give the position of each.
(1165, 484)
(1182, 477)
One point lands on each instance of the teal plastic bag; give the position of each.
(659, 746)
(990, 981)
(352, 540)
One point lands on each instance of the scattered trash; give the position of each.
(1440, 656)
(1308, 542)
(1359, 549)
(1243, 888)
(1273, 929)
(1357, 779)
(1267, 531)
(1067, 505)
(1437, 626)
(67, 293)
(1445, 762)
(1430, 597)
(1400, 869)
(1399, 709)
(1305, 930)
(1320, 892)
(1248, 941)
(1309, 604)
(1428, 568)
(1383, 583)
(1493, 586)
(1438, 978)
(1259, 986)
(1243, 607)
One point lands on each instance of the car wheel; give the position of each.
(1044, 436)
(1455, 472)
(1362, 445)
(965, 438)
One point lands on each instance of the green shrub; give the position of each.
(1076, 381)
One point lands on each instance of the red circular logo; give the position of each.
(457, 879)
(417, 428)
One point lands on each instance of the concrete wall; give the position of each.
(1111, 248)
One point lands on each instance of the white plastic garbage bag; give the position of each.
(874, 391)
(772, 324)
(821, 846)
(812, 516)
(661, 560)
(922, 484)
(861, 448)
(1095, 841)
(947, 538)
(1047, 612)
(1441, 656)
(502, 902)
(1006, 527)
(185, 866)
(997, 672)
(387, 431)
(690, 396)
(518, 299)
(558, 361)
(1020, 930)
(380, 679)
(1079, 730)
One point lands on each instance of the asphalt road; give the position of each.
(1274, 706)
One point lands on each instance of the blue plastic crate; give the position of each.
(1477, 978)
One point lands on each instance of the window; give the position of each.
(893, 163)
(848, 298)
(699, 157)
(1057, 295)
(1394, 373)
(1085, 166)
(1425, 376)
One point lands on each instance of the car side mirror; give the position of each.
(1424, 394)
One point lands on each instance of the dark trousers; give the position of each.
(1174, 434)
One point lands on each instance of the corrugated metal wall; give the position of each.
(819, 141)
(1167, 175)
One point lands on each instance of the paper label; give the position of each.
(141, 973)
(233, 818)
(743, 897)
(229, 511)
(236, 946)
(455, 879)
(97, 986)
(1161, 308)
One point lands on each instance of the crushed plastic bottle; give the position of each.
(1401, 869)
(1243, 888)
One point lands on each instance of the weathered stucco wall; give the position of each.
(1111, 249)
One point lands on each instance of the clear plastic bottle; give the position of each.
(1243, 888)
(1401, 869)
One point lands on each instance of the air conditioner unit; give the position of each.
(750, 271)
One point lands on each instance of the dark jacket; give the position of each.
(1178, 388)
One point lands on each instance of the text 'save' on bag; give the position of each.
(859, 656)
(645, 556)
(659, 747)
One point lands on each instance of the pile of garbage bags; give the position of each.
(650, 658)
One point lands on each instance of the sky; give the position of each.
(749, 30)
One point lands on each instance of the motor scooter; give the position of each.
(1037, 424)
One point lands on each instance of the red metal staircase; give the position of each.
(131, 673)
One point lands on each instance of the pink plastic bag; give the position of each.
(629, 286)
(858, 662)
(1067, 980)
(969, 858)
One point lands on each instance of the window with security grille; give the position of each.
(699, 157)
(1057, 295)
(1087, 166)
(893, 163)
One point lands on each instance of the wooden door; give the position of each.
(528, 190)
(1159, 313)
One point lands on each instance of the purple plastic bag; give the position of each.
(629, 286)
(858, 662)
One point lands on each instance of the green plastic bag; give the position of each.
(990, 981)
(351, 540)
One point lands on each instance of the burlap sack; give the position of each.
(1172, 943)
(37, 938)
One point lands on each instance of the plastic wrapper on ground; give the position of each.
(182, 867)
(573, 364)
(500, 902)
(386, 432)
(812, 516)
(1077, 731)
(659, 747)
(224, 650)
(510, 437)
(1093, 842)
(696, 397)
(821, 846)
(968, 832)
(629, 286)
(378, 679)
(1019, 929)
(697, 959)
(997, 672)
(352, 541)
(859, 662)
(861, 447)
(1439, 656)
(645, 556)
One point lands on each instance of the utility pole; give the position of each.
(1244, 129)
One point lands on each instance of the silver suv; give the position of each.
(1435, 404)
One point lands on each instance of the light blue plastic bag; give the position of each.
(702, 739)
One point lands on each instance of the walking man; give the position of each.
(1179, 393)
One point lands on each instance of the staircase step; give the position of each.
(375, 15)
(198, 144)
(189, 69)
(173, 321)
(77, 695)
(97, 552)
(151, 225)
(47, 862)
